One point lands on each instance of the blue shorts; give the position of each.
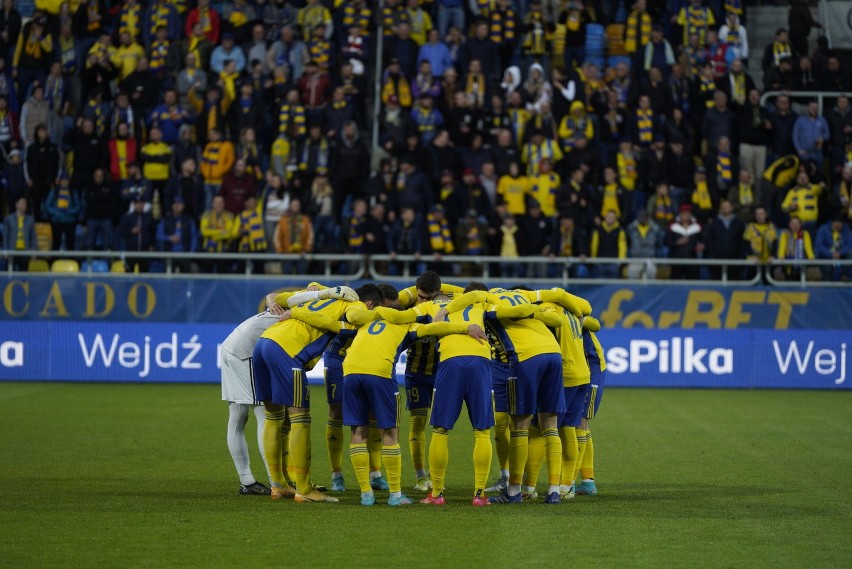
(334, 381)
(364, 395)
(577, 400)
(499, 379)
(278, 377)
(418, 391)
(535, 386)
(463, 379)
(598, 381)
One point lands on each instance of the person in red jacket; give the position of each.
(122, 153)
(207, 17)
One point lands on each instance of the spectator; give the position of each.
(783, 121)
(801, 21)
(644, 124)
(450, 13)
(684, 240)
(804, 78)
(735, 35)
(724, 167)
(760, 236)
(743, 197)
(661, 207)
(321, 210)
(251, 235)
(834, 241)
(840, 126)
(435, 51)
(719, 121)
(42, 168)
(207, 19)
(122, 153)
(608, 241)
(544, 187)
(136, 232)
(658, 52)
(177, 233)
(695, 19)
(472, 233)
(289, 50)
(795, 244)
(610, 196)
(511, 248)
(189, 186)
(414, 189)
(778, 51)
(570, 241)
(405, 238)
(216, 161)
(754, 128)
(644, 237)
(538, 236)
(482, 49)
(237, 186)
(102, 202)
(833, 77)
(156, 158)
(33, 53)
(62, 207)
(35, 111)
(512, 190)
(723, 239)
(295, 236)
(842, 198)
(19, 234)
(395, 84)
(810, 134)
(376, 229)
(703, 200)
(218, 229)
(802, 201)
(313, 15)
(135, 186)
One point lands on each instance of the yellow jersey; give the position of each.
(310, 328)
(450, 346)
(514, 193)
(575, 368)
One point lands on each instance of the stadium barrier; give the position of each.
(820, 96)
(347, 267)
(189, 353)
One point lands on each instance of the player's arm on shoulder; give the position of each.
(577, 306)
(276, 301)
(451, 289)
(441, 329)
(465, 300)
(517, 311)
(591, 324)
(408, 297)
(395, 316)
(359, 315)
(314, 318)
(550, 317)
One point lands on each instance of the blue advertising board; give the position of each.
(189, 353)
(654, 306)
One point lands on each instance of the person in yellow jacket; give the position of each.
(127, 56)
(802, 200)
(544, 186)
(219, 228)
(217, 159)
(576, 129)
(795, 243)
(512, 189)
(295, 235)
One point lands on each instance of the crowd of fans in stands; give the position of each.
(607, 128)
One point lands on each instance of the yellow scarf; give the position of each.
(701, 197)
(440, 236)
(20, 242)
(746, 195)
(475, 84)
(509, 246)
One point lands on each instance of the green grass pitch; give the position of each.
(140, 476)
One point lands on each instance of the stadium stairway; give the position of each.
(761, 26)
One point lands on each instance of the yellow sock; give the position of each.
(587, 468)
(272, 447)
(553, 452)
(300, 450)
(501, 439)
(374, 446)
(417, 440)
(582, 438)
(334, 443)
(570, 453)
(535, 456)
(482, 454)
(439, 457)
(285, 449)
(518, 452)
(392, 460)
(361, 464)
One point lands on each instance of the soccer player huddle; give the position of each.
(524, 362)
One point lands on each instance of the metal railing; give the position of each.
(820, 96)
(557, 271)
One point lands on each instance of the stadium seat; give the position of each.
(65, 266)
(96, 266)
(595, 44)
(118, 267)
(44, 236)
(615, 39)
(38, 266)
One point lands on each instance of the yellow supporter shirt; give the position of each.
(575, 368)
(513, 191)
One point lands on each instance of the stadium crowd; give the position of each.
(611, 129)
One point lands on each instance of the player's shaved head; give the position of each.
(370, 295)
(429, 283)
(474, 285)
(441, 296)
